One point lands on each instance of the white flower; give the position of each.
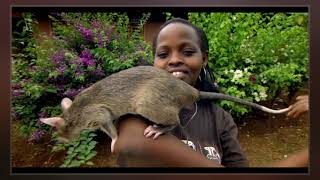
(247, 60)
(226, 71)
(256, 96)
(231, 70)
(245, 69)
(263, 95)
(238, 74)
(264, 81)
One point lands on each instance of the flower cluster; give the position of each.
(86, 58)
(37, 136)
(73, 92)
(17, 90)
(86, 33)
(238, 74)
(259, 96)
(58, 57)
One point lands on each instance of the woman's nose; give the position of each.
(175, 59)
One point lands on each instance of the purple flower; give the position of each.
(79, 73)
(62, 69)
(76, 62)
(87, 61)
(58, 57)
(17, 93)
(87, 58)
(36, 136)
(100, 41)
(71, 92)
(86, 33)
(16, 86)
(86, 54)
(96, 24)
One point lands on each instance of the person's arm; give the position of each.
(301, 158)
(299, 107)
(135, 149)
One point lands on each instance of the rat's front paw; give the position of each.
(152, 131)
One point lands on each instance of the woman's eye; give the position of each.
(162, 55)
(188, 52)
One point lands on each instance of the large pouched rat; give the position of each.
(150, 92)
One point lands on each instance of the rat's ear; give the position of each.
(66, 103)
(53, 121)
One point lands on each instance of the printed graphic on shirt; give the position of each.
(209, 151)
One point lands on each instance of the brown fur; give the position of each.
(150, 92)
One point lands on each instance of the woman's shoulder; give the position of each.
(218, 115)
(216, 109)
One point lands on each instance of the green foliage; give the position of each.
(255, 55)
(79, 151)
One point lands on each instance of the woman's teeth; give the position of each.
(178, 74)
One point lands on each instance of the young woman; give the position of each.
(182, 49)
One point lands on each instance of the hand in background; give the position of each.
(299, 107)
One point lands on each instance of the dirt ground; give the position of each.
(265, 139)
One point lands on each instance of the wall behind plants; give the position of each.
(256, 56)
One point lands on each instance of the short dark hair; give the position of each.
(203, 40)
(207, 77)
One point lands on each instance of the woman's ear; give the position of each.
(205, 59)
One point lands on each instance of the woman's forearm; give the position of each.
(166, 151)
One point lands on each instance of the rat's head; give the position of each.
(66, 128)
(181, 48)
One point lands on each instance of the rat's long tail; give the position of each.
(212, 95)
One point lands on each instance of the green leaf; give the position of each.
(89, 163)
(75, 163)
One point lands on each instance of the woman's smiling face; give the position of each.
(178, 52)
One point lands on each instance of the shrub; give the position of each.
(256, 55)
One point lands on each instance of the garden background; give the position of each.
(260, 57)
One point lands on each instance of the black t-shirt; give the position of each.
(213, 133)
